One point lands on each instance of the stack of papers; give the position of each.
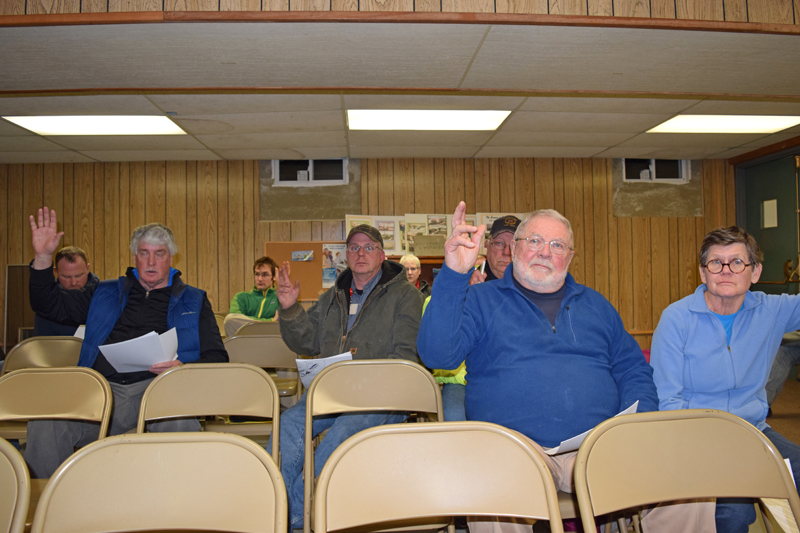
(139, 354)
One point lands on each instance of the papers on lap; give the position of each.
(309, 368)
(139, 354)
(570, 445)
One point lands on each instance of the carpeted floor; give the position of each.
(785, 417)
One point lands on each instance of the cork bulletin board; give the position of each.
(309, 273)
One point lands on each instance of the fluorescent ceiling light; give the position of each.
(421, 119)
(726, 124)
(99, 125)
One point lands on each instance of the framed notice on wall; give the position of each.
(305, 260)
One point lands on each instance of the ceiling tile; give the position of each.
(418, 138)
(607, 105)
(649, 152)
(28, 143)
(307, 121)
(64, 156)
(127, 142)
(538, 151)
(524, 138)
(152, 155)
(287, 140)
(278, 153)
(7, 129)
(412, 151)
(586, 122)
(101, 104)
(689, 140)
(737, 107)
(230, 104)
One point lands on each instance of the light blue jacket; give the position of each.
(694, 367)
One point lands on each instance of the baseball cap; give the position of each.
(506, 223)
(367, 230)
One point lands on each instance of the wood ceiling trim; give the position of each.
(401, 91)
(765, 151)
(394, 17)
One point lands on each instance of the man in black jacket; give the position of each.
(72, 273)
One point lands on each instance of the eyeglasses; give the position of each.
(368, 248)
(499, 245)
(736, 266)
(537, 243)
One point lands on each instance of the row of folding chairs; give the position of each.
(395, 475)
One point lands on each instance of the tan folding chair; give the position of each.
(214, 389)
(267, 327)
(74, 393)
(15, 489)
(165, 481)
(43, 352)
(38, 352)
(220, 319)
(371, 385)
(389, 475)
(268, 352)
(676, 455)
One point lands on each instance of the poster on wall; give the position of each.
(351, 221)
(393, 231)
(416, 224)
(333, 263)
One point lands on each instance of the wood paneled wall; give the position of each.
(772, 11)
(640, 264)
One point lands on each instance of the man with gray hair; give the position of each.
(149, 297)
(547, 357)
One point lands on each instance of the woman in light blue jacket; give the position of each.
(714, 349)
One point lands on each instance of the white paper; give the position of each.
(570, 445)
(139, 354)
(80, 332)
(309, 368)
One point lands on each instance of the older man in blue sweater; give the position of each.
(546, 356)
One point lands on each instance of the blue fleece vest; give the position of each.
(108, 302)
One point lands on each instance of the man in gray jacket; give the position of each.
(374, 313)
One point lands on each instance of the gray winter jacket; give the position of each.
(386, 327)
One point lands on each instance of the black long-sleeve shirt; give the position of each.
(144, 312)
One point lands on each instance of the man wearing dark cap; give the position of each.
(498, 250)
(372, 312)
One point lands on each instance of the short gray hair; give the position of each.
(549, 213)
(154, 233)
(410, 257)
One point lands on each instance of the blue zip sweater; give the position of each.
(111, 297)
(549, 383)
(694, 367)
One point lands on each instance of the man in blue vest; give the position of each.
(149, 297)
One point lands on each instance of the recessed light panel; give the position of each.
(410, 119)
(726, 124)
(98, 125)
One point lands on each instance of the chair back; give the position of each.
(400, 472)
(264, 351)
(645, 458)
(366, 385)
(43, 352)
(235, 389)
(267, 327)
(220, 320)
(15, 489)
(164, 481)
(75, 393)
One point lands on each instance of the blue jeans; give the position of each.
(453, 402)
(734, 515)
(292, 430)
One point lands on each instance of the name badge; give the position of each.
(353, 309)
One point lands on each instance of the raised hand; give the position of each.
(45, 238)
(287, 293)
(461, 250)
